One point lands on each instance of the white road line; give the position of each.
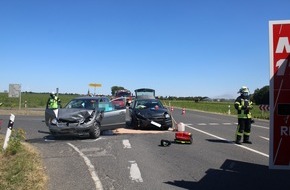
(91, 168)
(135, 173)
(201, 124)
(213, 124)
(259, 126)
(220, 138)
(126, 143)
(264, 138)
(227, 124)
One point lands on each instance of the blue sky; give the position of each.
(177, 47)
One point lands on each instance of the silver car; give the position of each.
(85, 115)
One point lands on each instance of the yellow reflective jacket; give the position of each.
(53, 103)
(243, 107)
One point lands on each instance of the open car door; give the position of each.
(113, 118)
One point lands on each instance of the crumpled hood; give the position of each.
(151, 112)
(74, 115)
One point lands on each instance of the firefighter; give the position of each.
(243, 105)
(53, 102)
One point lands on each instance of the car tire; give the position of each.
(133, 123)
(95, 131)
(165, 128)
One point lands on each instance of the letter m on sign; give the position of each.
(279, 46)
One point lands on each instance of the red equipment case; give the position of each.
(183, 137)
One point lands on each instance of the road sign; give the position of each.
(264, 107)
(279, 46)
(14, 90)
(95, 85)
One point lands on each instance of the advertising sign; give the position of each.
(279, 46)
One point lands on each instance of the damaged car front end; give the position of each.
(85, 115)
(148, 112)
(74, 121)
(151, 118)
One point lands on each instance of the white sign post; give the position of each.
(279, 42)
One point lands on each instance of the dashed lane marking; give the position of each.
(259, 126)
(214, 124)
(135, 174)
(264, 138)
(126, 143)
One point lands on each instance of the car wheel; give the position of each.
(134, 124)
(165, 128)
(95, 131)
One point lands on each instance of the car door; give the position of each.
(113, 118)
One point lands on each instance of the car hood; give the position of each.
(69, 115)
(74, 115)
(151, 112)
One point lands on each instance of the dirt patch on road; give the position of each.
(135, 131)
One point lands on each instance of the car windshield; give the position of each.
(145, 92)
(123, 94)
(82, 103)
(148, 104)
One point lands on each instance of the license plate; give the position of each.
(156, 124)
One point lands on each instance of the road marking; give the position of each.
(220, 138)
(264, 138)
(259, 126)
(227, 124)
(126, 143)
(91, 168)
(135, 173)
(201, 124)
(213, 124)
(91, 140)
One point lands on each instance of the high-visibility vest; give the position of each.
(239, 104)
(53, 103)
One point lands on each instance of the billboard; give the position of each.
(279, 46)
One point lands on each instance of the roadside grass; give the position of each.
(215, 107)
(32, 100)
(21, 166)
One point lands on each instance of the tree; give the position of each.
(261, 96)
(114, 89)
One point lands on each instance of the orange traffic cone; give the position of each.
(183, 111)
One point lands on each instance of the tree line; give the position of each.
(260, 96)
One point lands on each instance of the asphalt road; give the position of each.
(137, 161)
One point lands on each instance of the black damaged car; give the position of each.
(148, 112)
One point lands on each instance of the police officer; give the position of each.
(243, 105)
(53, 102)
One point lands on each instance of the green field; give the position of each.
(216, 107)
(38, 100)
(32, 100)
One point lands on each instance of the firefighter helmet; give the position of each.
(244, 91)
(52, 94)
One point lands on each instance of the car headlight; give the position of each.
(54, 121)
(167, 116)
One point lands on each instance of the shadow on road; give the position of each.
(239, 175)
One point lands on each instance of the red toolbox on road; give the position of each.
(183, 137)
